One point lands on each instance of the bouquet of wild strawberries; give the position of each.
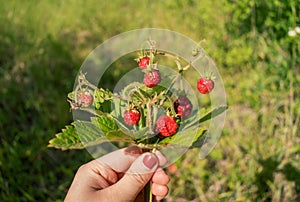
(155, 111)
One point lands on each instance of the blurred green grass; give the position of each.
(43, 43)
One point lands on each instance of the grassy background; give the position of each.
(43, 43)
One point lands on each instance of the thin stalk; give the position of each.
(149, 120)
(82, 79)
(95, 112)
(148, 192)
(147, 189)
(143, 117)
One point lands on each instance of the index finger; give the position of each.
(120, 160)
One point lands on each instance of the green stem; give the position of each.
(83, 81)
(143, 117)
(147, 189)
(177, 60)
(181, 84)
(149, 119)
(96, 112)
(148, 192)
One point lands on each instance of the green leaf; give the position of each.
(87, 132)
(102, 100)
(117, 107)
(118, 136)
(78, 135)
(97, 141)
(71, 95)
(104, 123)
(67, 139)
(140, 133)
(140, 92)
(135, 133)
(186, 138)
(199, 118)
(158, 89)
(100, 95)
(213, 113)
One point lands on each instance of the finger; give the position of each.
(160, 177)
(160, 191)
(120, 160)
(134, 179)
(158, 198)
(162, 159)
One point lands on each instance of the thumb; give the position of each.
(136, 177)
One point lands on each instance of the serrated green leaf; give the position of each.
(83, 134)
(67, 139)
(87, 131)
(185, 138)
(104, 123)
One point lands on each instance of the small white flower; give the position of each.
(292, 33)
(297, 29)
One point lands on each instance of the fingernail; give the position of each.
(149, 161)
(133, 150)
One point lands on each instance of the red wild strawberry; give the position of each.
(205, 85)
(85, 99)
(183, 106)
(144, 62)
(166, 126)
(132, 116)
(152, 78)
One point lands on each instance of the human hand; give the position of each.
(120, 176)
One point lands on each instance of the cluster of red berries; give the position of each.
(152, 77)
(165, 125)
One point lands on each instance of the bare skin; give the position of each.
(120, 176)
